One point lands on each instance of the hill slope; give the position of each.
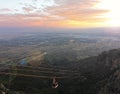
(97, 75)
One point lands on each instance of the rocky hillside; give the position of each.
(97, 75)
(111, 59)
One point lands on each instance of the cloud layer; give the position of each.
(54, 13)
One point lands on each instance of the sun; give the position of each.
(113, 16)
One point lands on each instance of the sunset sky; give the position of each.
(59, 13)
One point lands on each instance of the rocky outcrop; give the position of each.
(111, 59)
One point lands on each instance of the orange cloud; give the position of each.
(66, 13)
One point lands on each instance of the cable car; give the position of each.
(55, 83)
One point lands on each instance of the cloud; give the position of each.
(29, 8)
(61, 13)
(78, 10)
(76, 2)
(5, 10)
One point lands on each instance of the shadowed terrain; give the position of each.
(81, 62)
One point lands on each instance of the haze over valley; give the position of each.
(59, 47)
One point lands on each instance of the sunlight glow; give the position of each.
(113, 16)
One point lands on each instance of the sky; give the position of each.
(60, 13)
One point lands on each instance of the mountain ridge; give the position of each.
(98, 75)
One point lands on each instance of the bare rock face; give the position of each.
(3, 89)
(112, 59)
